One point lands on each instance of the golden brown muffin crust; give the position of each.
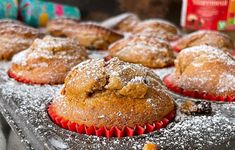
(148, 51)
(48, 60)
(157, 28)
(113, 93)
(205, 68)
(93, 36)
(124, 22)
(205, 37)
(57, 27)
(15, 38)
(10, 21)
(156, 24)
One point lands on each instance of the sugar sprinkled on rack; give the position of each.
(189, 132)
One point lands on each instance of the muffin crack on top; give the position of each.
(109, 76)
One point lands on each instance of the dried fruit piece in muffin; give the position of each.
(47, 61)
(196, 108)
(148, 51)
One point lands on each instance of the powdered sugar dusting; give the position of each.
(149, 51)
(49, 48)
(211, 53)
(27, 104)
(226, 82)
(205, 68)
(20, 57)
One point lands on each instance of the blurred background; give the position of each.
(99, 10)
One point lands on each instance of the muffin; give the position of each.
(148, 51)
(157, 28)
(124, 22)
(205, 37)
(10, 21)
(203, 72)
(112, 98)
(93, 36)
(57, 27)
(47, 61)
(15, 37)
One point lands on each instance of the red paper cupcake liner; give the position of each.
(233, 53)
(26, 81)
(175, 47)
(195, 94)
(175, 38)
(21, 79)
(103, 131)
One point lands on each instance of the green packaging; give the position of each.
(8, 9)
(37, 13)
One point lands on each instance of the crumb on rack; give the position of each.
(150, 146)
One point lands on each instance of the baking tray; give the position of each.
(24, 107)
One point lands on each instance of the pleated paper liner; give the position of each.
(195, 94)
(175, 47)
(105, 132)
(19, 79)
(24, 80)
(233, 53)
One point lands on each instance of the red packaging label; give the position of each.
(208, 14)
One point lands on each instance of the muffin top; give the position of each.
(148, 51)
(205, 68)
(206, 37)
(63, 20)
(203, 53)
(15, 37)
(58, 26)
(116, 76)
(53, 48)
(113, 93)
(47, 61)
(124, 22)
(9, 21)
(157, 28)
(17, 30)
(93, 35)
(155, 25)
